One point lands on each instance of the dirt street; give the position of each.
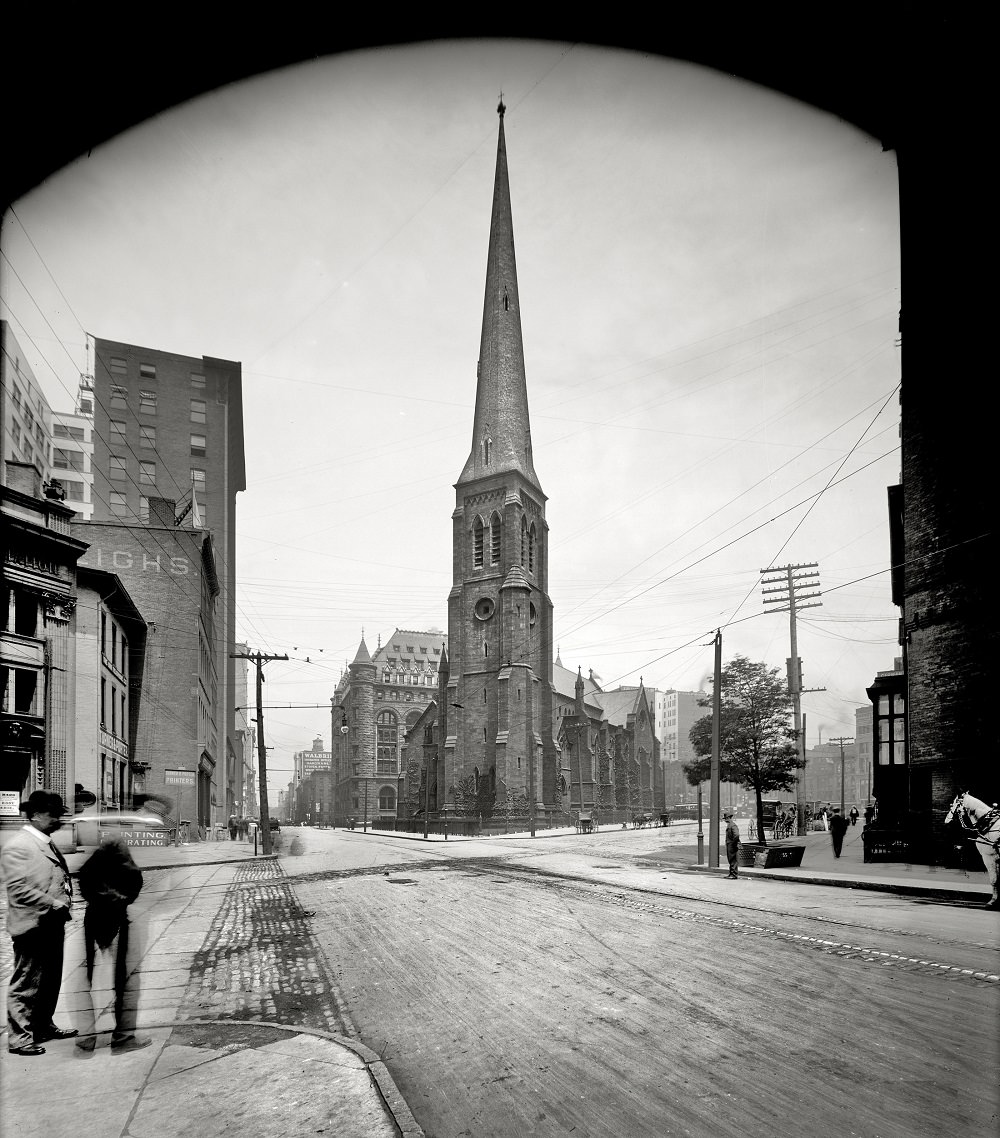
(507, 1000)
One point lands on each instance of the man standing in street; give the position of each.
(732, 843)
(39, 898)
(838, 828)
(109, 882)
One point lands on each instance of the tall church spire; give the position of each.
(501, 437)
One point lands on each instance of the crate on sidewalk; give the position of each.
(783, 857)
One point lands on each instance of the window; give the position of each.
(117, 433)
(198, 446)
(197, 410)
(74, 490)
(386, 798)
(118, 502)
(387, 727)
(117, 470)
(67, 459)
(119, 366)
(147, 371)
(65, 431)
(147, 438)
(495, 534)
(119, 397)
(86, 406)
(147, 402)
(197, 379)
(147, 473)
(143, 509)
(197, 478)
(477, 543)
(17, 397)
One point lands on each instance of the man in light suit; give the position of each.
(39, 897)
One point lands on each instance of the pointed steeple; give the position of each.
(362, 656)
(501, 436)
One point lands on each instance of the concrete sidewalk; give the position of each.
(205, 1077)
(821, 867)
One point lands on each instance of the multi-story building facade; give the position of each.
(170, 575)
(72, 450)
(25, 415)
(37, 642)
(863, 738)
(170, 427)
(110, 657)
(241, 791)
(381, 697)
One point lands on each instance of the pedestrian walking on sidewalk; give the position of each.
(234, 825)
(838, 828)
(109, 882)
(732, 843)
(854, 815)
(39, 900)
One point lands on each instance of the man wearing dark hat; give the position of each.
(838, 828)
(732, 842)
(39, 896)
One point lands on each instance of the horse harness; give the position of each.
(981, 827)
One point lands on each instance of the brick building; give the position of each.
(170, 426)
(110, 658)
(944, 557)
(496, 718)
(170, 575)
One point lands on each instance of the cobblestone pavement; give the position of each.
(261, 961)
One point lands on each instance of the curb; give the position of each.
(194, 864)
(393, 1101)
(940, 893)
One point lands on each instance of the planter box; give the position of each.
(784, 857)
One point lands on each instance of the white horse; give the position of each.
(981, 824)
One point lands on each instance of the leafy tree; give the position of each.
(756, 743)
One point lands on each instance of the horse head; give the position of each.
(958, 803)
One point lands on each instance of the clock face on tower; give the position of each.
(484, 608)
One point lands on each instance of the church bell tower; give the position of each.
(497, 718)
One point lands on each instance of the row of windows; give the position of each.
(119, 366)
(118, 472)
(487, 536)
(147, 438)
(148, 403)
(118, 504)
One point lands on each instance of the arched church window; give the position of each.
(495, 535)
(477, 543)
(524, 540)
(487, 449)
(531, 548)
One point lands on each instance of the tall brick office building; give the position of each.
(496, 720)
(170, 426)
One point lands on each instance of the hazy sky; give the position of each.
(709, 282)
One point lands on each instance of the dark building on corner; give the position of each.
(935, 729)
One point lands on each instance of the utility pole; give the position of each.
(713, 819)
(788, 581)
(842, 741)
(260, 659)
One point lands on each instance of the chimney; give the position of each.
(24, 477)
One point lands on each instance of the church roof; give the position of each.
(501, 437)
